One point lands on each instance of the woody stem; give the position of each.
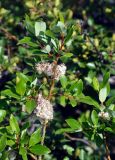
(46, 121)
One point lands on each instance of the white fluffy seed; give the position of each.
(44, 109)
(48, 69)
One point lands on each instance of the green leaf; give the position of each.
(91, 65)
(23, 153)
(73, 102)
(10, 142)
(61, 17)
(110, 101)
(82, 155)
(35, 138)
(29, 24)
(88, 100)
(62, 101)
(68, 55)
(108, 129)
(28, 41)
(46, 49)
(63, 81)
(21, 87)
(61, 25)
(95, 84)
(40, 27)
(14, 124)
(39, 149)
(74, 124)
(77, 87)
(30, 105)
(103, 94)
(22, 76)
(108, 88)
(63, 130)
(69, 149)
(50, 34)
(3, 141)
(9, 93)
(2, 115)
(24, 138)
(69, 35)
(105, 79)
(94, 117)
(21, 81)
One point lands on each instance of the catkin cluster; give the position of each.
(44, 109)
(51, 70)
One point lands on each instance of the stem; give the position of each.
(44, 131)
(106, 147)
(49, 98)
(43, 135)
(80, 140)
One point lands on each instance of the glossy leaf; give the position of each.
(63, 81)
(73, 102)
(2, 115)
(105, 79)
(39, 149)
(94, 117)
(23, 153)
(39, 27)
(9, 93)
(69, 35)
(35, 138)
(14, 124)
(110, 101)
(103, 94)
(30, 105)
(95, 84)
(74, 124)
(3, 141)
(88, 100)
(62, 101)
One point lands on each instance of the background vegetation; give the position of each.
(79, 33)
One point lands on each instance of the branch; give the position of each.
(9, 35)
(106, 147)
(80, 140)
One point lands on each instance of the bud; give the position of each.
(44, 109)
(104, 115)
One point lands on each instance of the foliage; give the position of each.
(83, 98)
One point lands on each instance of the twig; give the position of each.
(106, 147)
(32, 156)
(9, 35)
(80, 140)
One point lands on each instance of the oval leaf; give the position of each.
(39, 149)
(35, 138)
(40, 27)
(103, 94)
(2, 115)
(3, 140)
(14, 124)
(74, 124)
